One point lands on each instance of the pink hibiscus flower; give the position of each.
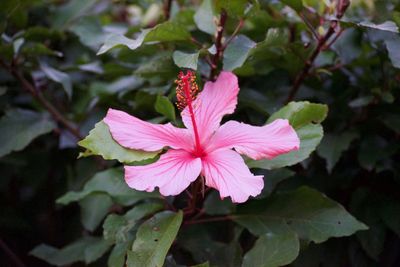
(205, 147)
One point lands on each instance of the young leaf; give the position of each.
(306, 211)
(100, 142)
(153, 239)
(18, 127)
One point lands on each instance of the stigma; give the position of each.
(186, 89)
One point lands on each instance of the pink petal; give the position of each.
(256, 142)
(216, 100)
(134, 133)
(226, 171)
(172, 173)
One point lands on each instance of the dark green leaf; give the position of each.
(18, 127)
(111, 182)
(273, 250)
(87, 249)
(118, 255)
(295, 4)
(153, 239)
(94, 208)
(59, 77)
(309, 213)
(100, 142)
(165, 107)
(214, 205)
(167, 32)
(114, 40)
(332, 147)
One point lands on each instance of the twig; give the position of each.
(11, 255)
(321, 45)
(309, 25)
(167, 9)
(218, 45)
(39, 97)
(235, 32)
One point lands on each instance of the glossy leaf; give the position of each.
(94, 208)
(59, 77)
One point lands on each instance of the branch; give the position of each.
(167, 9)
(321, 45)
(29, 87)
(11, 255)
(218, 45)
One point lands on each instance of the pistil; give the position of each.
(186, 92)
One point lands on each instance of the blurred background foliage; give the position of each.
(64, 63)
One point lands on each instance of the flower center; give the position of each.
(186, 92)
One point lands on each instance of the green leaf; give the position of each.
(295, 4)
(70, 11)
(90, 32)
(237, 52)
(301, 113)
(234, 8)
(186, 60)
(111, 182)
(306, 211)
(18, 127)
(114, 40)
(94, 208)
(273, 250)
(393, 48)
(59, 77)
(117, 255)
(167, 32)
(272, 179)
(87, 249)
(332, 147)
(310, 136)
(154, 238)
(204, 18)
(117, 228)
(165, 107)
(100, 142)
(214, 205)
(205, 264)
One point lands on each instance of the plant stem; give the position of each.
(321, 45)
(11, 255)
(218, 45)
(167, 9)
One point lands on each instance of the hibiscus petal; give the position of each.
(216, 100)
(172, 173)
(134, 133)
(226, 171)
(256, 142)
